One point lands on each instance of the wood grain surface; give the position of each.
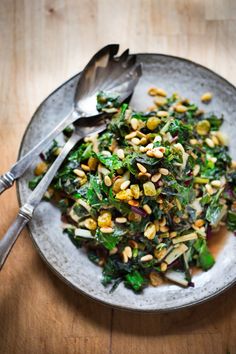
(43, 43)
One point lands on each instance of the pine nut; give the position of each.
(106, 153)
(147, 208)
(157, 138)
(128, 251)
(107, 181)
(141, 168)
(163, 266)
(134, 123)
(135, 141)
(162, 114)
(180, 108)
(106, 230)
(163, 171)
(79, 173)
(130, 135)
(216, 183)
(152, 91)
(85, 167)
(206, 97)
(120, 153)
(196, 170)
(193, 141)
(125, 185)
(161, 92)
(146, 258)
(155, 279)
(162, 222)
(155, 178)
(157, 153)
(121, 220)
(209, 189)
(209, 142)
(164, 228)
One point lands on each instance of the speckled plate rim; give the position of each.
(64, 279)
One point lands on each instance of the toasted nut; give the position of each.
(153, 123)
(133, 244)
(209, 142)
(141, 168)
(113, 251)
(209, 189)
(149, 189)
(221, 137)
(196, 170)
(125, 185)
(151, 109)
(107, 181)
(134, 123)
(135, 141)
(106, 153)
(215, 140)
(130, 135)
(101, 262)
(160, 253)
(163, 267)
(162, 114)
(206, 97)
(146, 258)
(103, 170)
(125, 257)
(164, 228)
(176, 219)
(233, 165)
(199, 223)
(193, 141)
(155, 178)
(157, 153)
(150, 231)
(104, 219)
(133, 202)
(143, 141)
(162, 222)
(180, 108)
(152, 91)
(120, 154)
(173, 234)
(147, 208)
(161, 92)
(124, 195)
(121, 220)
(155, 279)
(126, 254)
(92, 163)
(164, 171)
(116, 185)
(216, 183)
(90, 224)
(79, 173)
(160, 101)
(135, 191)
(85, 167)
(40, 168)
(128, 251)
(106, 230)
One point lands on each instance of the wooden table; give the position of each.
(42, 44)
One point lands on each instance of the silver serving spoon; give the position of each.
(83, 127)
(103, 72)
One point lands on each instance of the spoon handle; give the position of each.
(17, 170)
(11, 236)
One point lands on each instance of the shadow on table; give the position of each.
(195, 319)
